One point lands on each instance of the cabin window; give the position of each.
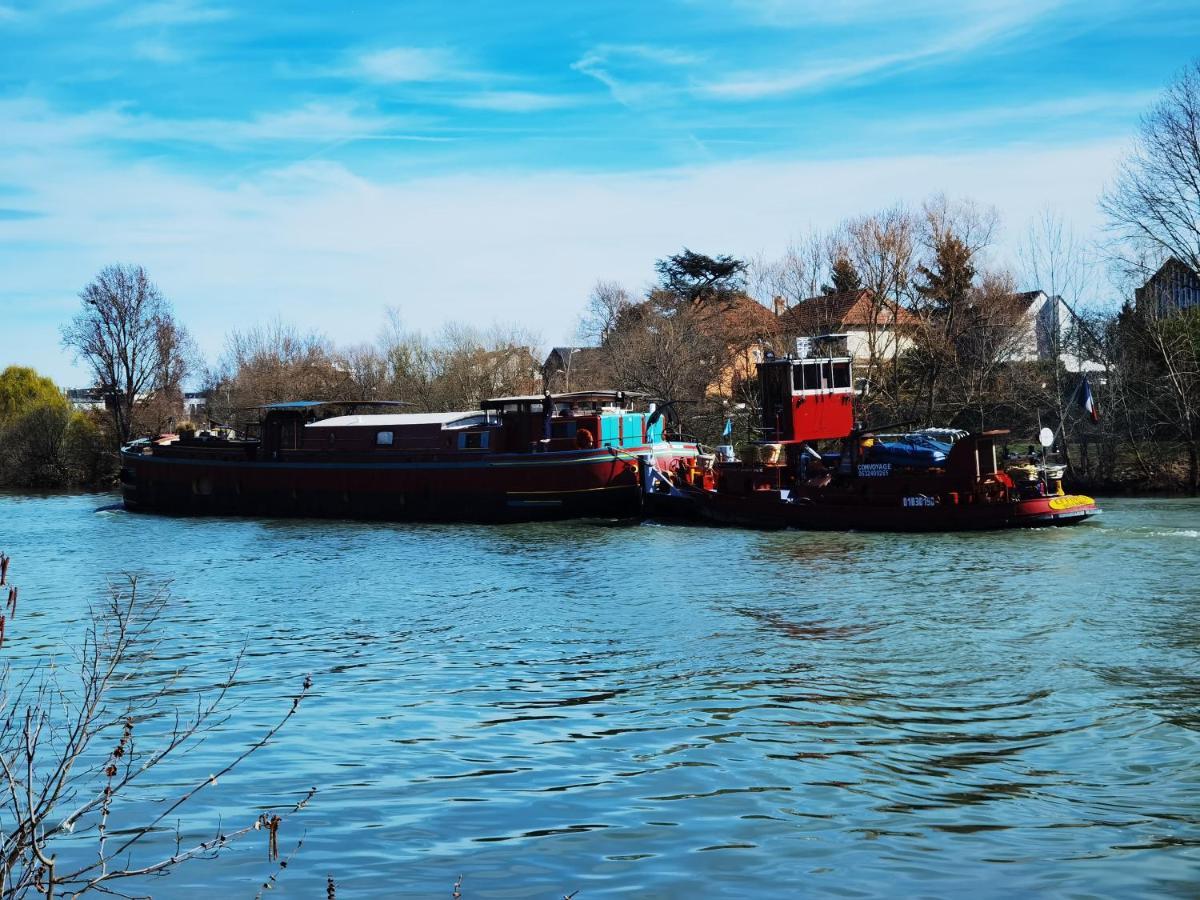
(384, 438)
(841, 375)
(812, 376)
(473, 440)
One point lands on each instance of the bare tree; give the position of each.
(882, 250)
(794, 277)
(276, 362)
(954, 234)
(475, 364)
(1155, 203)
(1154, 213)
(1057, 262)
(667, 351)
(990, 333)
(461, 366)
(128, 336)
(606, 304)
(367, 369)
(71, 754)
(972, 225)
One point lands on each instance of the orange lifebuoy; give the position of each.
(584, 439)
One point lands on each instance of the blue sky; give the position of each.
(485, 161)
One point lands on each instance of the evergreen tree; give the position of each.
(695, 277)
(947, 285)
(844, 276)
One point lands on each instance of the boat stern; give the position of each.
(1061, 509)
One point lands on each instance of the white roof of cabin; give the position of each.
(448, 419)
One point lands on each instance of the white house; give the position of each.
(1046, 330)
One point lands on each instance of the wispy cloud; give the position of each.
(407, 64)
(632, 72)
(33, 124)
(158, 51)
(171, 12)
(958, 43)
(514, 101)
(1040, 113)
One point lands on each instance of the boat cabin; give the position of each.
(581, 420)
(806, 399)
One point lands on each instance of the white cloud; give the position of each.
(328, 248)
(406, 64)
(30, 123)
(158, 51)
(514, 101)
(990, 27)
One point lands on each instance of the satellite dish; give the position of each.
(1046, 438)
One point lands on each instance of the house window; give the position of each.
(384, 438)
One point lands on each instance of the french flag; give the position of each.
(1087, 401)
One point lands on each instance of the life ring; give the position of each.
(584, 439)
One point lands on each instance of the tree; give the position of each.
(275, 362)
(72, 752)
(696, 278)
(954, 234)
(794, 277)
(1054, 260)
(1155, 203)
(606, 304)
(1153, 213)
(458, 367)
(844, 277)
(128, 336)
(670, 351)
(1164, 352)
(38, 447)
(42, 442)
(881, 250)
(23, 389)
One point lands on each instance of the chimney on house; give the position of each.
(778, 304)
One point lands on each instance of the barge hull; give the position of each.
(769, 511)
(502, 487)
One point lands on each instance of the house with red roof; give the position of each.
(875, 328)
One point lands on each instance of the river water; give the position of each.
(661, 710)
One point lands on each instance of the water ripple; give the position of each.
(668, 711)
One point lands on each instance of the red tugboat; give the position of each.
(575, 454)
(928, 480)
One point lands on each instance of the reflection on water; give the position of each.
(671, 711)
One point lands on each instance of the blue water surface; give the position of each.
(661, 710)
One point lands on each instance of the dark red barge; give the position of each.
(516, 458)
(815, 469)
